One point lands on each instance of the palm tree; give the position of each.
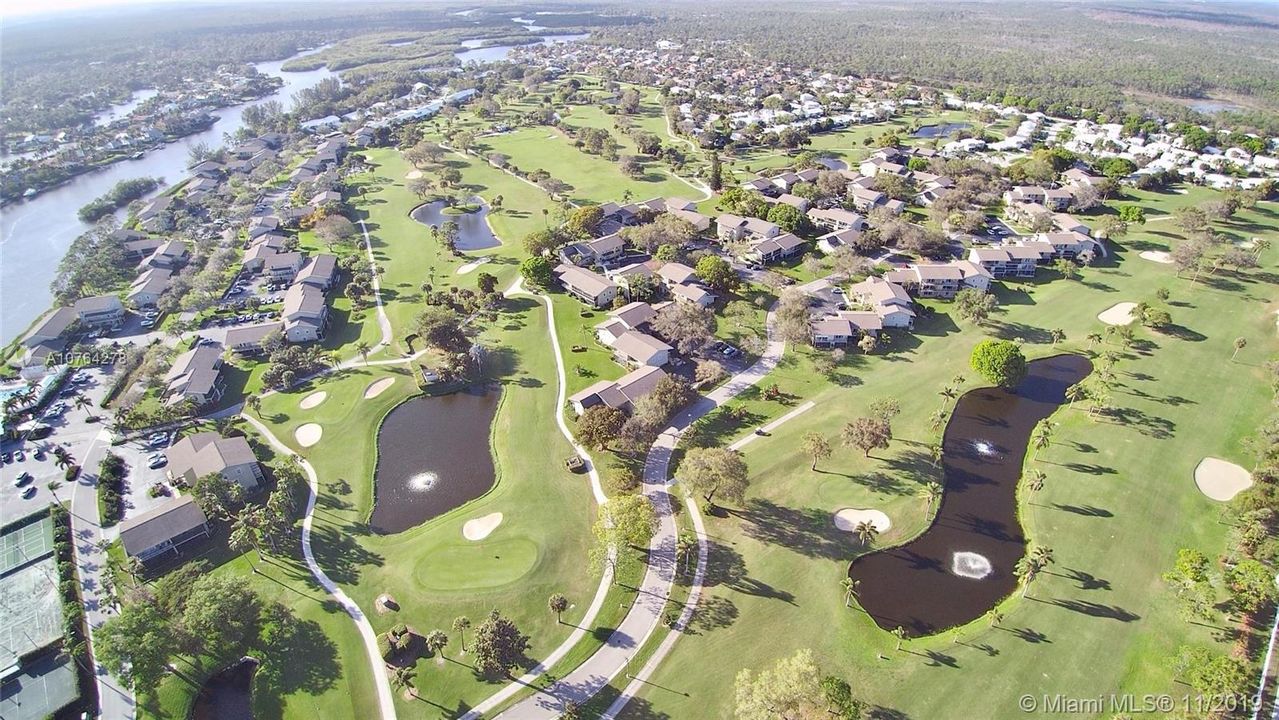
(866, 532)
(362, 348)
(958, 381)
(1093, 339)
(402, 678)
(685, 546)
(1043, 556)
(1240, 344)
(1259, 245)
(557, 604)
(851, 587)
(81, 402)
(461, 624)
(996, 617)
(1057, 335)
(545, 215)
(53, 489)
(899, 632)
(255, 404)
(1025, 571)
(1042, 437)
(244, 532)
(436, 641)
(1076, 392)
(937, 420)
(936, 452)
(930, 492)
(947, 393)
(1035, 480)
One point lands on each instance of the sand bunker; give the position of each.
(377, 388)
(481, 527)
(469, 267)
(1221, 480)
(849, 518)
(312, 400)
(1120, 314)
(308, 434)
(413, 175)
(1158, 256)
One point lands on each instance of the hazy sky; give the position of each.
(10, 8)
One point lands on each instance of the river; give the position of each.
(35, 234)
(493, 53)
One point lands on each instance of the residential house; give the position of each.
(775, 249)
(196, 376)
(795, 201)
(832, 241)
(1006, 261)
(305, 313)
(53, 328)
(929, 280)
(589, 287)
(875, 166)
(700, 222)
(148, 287)
(208, 453)
(637, 348)
(326, 198)
(695, 294)
(888, 300)
(1066, 223)
(836, 219)
(844, 327)
(157, 215)
(248, 339)
(673, 273)
(620, 394)
(1072, 246)
(261, 225)
(1076, 177)
(165, 528)
(100, 311)
(866, 199)
(734, 228)
(282, 267)
(170, 256)
(1058, 199)
(321, 270)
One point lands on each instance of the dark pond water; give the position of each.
(227, 695)
(963, 565)
(937, 131)
(473, 231)
(433, 456)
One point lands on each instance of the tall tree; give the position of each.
(790, 689)
(498, 646)
(461, 624)
(712, 471)
(136, 645)
(557, 604)
(817, 447)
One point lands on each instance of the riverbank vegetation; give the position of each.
(123, 193)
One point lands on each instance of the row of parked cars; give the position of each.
(242, 318)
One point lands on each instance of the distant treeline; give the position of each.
(124, 192)
(1059, 58)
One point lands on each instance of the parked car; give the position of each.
(29, 493)
(23, 479)
(6, 458)
(38, 454)
(159, 439)
(147, 323)
(157, 460)
(19, 456)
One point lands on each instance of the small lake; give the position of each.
(227, 695)
(494, 53)
(433, 456)
(1212, 107)
(473, 228)
(963, 565)
(939, 131)
(833, 163)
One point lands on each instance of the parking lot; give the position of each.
(83, 433)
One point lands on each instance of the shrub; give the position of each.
(384, 646)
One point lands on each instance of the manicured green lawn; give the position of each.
(1118, 503)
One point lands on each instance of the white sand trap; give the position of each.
(1158, 256)
(849, 518)
(377, 388)
(1120, 314)
(413, 175)
(470, 267)
(1182, 191)
(308, 434)
(481, 527)
(313, 400)
(1221, 480)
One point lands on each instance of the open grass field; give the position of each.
(1118, 503)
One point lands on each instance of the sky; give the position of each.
(26, 8)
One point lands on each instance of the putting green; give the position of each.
(477, 565)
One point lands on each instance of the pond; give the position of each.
(433, 456)
(227, 695)
(938, 131)
(962, 566)
(473, 232)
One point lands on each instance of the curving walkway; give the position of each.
(386, 703)
(645, 615)
(384, 323)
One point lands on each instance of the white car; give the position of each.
(148, 323)
(157, 460)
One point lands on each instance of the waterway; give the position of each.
(962, 566)
(115, 112)
(480, 54)
(35, 234)
(433, 455)
(938, 131)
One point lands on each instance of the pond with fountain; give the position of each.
(433, 456)
(962, 566)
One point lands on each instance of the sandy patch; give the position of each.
(413, 175)
(1221, 480)
(1181, 191)
(481, 527)
(470, 267)
(308, 434)
(1119, 314)
(377, 388)
(1158, 256)
(312, 400)
(385, 604)
(1249, 244)
(849, 518)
